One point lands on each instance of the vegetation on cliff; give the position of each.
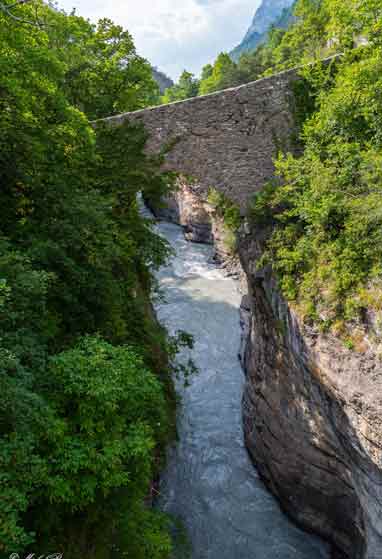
(187, 87)
(84, 376)
(229, 214)
(326, 210)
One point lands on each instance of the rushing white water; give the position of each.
(209, 482)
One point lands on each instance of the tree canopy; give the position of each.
(187, 87)
(326, 211)
(86, 396)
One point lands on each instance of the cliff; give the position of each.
(312, 414)
(312, 408)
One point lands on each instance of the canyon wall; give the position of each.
(312, 414)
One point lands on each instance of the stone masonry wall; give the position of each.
(226, 140)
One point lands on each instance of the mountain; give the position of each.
(162, 80)
(270, 12)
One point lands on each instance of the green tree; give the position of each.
(206, 71)
(82, 418)
(187, 87)
(223, 75)
(90, 428)
(327, 212)
(103, 73)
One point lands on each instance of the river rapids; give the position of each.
(210, 483)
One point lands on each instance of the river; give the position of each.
(209, 482)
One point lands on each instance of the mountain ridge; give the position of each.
(270, 13)
(163, 81)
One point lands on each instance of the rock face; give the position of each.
(266, 14)
(193, 214)
(162, 80)
(312, 414)
(186, 208)
(201, 224)
(270, 12)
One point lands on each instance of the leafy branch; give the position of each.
(7, 9)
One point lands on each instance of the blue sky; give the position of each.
(175, 34)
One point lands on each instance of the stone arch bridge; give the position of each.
(226, 140)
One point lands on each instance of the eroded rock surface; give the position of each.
(185, 207)
(312, 418)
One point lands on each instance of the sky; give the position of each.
(175, 34)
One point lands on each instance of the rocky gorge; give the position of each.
(312, 408)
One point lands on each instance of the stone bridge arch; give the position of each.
(226, 140)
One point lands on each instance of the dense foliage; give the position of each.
(326, 246)
(83, 365)
(186, 88)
